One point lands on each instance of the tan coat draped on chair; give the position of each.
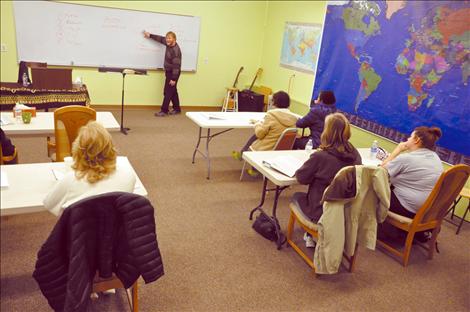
(347, 222)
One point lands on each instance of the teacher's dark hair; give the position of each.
(428, 136)
(281, 99)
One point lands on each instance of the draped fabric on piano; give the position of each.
(11, 93)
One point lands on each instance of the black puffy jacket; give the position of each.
(112, 232)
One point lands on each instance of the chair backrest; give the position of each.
(67, 122)
(445, 191)
(286, 140)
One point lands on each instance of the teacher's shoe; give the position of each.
(175, 112)
(161, 114)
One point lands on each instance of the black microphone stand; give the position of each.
(123, 129)
(123, 71)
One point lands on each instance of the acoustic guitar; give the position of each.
(258, 73)
(234, 86)
(236, 79)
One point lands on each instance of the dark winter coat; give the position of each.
(315, 120)
(112, 232)
(318, 172)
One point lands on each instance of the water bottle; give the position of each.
(17, 113)
(309, 146)
(373, 149)
(25, 80)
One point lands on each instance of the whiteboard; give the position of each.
(81, 35)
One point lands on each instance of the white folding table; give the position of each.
(28, 185)
(282, 181)
(219, 120)
(43, 124)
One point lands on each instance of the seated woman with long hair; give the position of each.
(95, 170)
(334, 153)
(414, 169)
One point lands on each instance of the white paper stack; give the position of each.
(3, 179)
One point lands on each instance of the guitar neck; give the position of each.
(258, 72)
(236, 79)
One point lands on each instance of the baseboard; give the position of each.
(156, 107)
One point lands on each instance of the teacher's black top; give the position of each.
(172, 63)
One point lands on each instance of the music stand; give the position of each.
(124, 72)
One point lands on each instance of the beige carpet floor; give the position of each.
(213, 259)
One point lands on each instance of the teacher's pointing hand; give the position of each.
(146, 34)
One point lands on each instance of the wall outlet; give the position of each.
(3, 47)
(206, 60)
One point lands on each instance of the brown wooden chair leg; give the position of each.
(132, 297)
(352, 260)
(408, 245)
(135, 299)
(290, 226)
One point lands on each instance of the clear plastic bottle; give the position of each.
(25, 80)
(373, 149)
(309, 145)
(17, 113)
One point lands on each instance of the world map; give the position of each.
(300, 46)
(397, 65)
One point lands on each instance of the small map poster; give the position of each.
(300, 46)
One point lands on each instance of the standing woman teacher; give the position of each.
(172, 65)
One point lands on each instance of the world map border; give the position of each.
(445, 154)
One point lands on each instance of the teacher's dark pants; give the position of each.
(170, 94)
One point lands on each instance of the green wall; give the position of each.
(233, 34)
(275, 76)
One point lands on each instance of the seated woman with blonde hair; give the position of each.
(95, 170)
(334, 153)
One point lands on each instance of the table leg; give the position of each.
(206, 155)
(463, 218)
(263, 197)
(197, 144)
(208, 158)
(278, 190)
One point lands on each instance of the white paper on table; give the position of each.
(3, 179)
(285, 164)
(213, 116)
(5, 120)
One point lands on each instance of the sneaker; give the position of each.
(161, 114)
(306, 236)
(309, 242)
(174, 112)
(236, 155)
(252, 173)
(422, 237)
(111, 291)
